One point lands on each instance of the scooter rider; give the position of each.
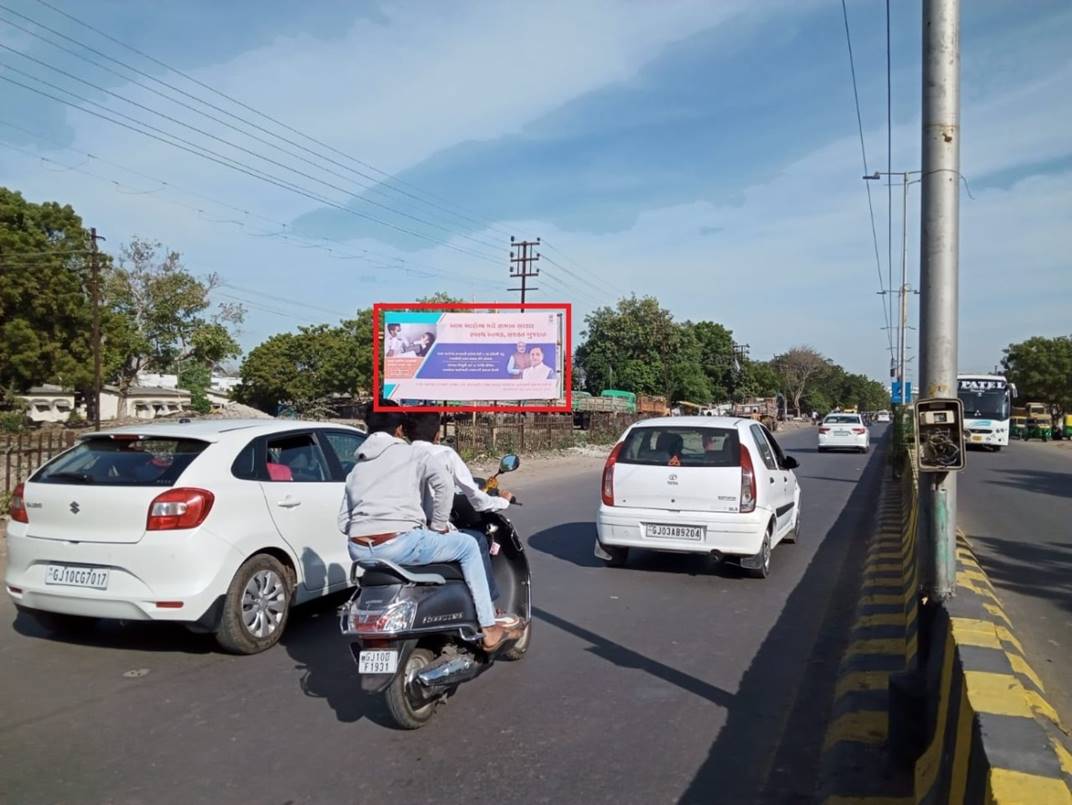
(381, 513)
(423, 431)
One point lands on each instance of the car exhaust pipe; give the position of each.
(716, 556)
(459, 668)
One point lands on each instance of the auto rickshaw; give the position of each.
(1040, 426)
(1018, 427)
(1064, 431)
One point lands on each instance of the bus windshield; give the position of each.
(985, 404)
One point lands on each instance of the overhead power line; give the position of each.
(385, 179)
(205, 153)
(867, 187)
(299, 172)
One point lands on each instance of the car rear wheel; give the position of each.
(612, 555)
(794, 533)
(256, 608)
(56, 622)
(759, 565)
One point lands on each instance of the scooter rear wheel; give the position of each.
(407, 711)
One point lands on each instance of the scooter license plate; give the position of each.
(377, 662)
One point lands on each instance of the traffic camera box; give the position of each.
(940, 435)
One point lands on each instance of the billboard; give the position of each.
(479, 355)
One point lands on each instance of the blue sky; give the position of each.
(704, 152)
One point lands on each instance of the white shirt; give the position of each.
(463, 481)
(540, 371)
(396, 345)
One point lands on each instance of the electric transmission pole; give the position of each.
(523, 255)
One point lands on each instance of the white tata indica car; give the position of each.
(221, 525)
(720, 486)
(844, 432)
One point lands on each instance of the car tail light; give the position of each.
(185, 507)
(859, 431)
(748, 482)
(608, 475)
(17, 508)
(824, 430)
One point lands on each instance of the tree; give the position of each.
(1041, 369)
(795, 369)
(717, 358)
(757, 379)
(637, 346)
(306, 369)
(625, 347)
(161, 315)
(45, 314)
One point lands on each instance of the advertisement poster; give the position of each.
(508, 355)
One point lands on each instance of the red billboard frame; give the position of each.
(567, 357)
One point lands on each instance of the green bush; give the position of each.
(12, 421)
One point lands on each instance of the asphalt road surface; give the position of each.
(1016, 507)
(669, 680)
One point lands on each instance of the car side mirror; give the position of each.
(509, 463)
(791, 463)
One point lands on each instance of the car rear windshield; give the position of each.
(842, 419)
(122, 461)
(682, 447)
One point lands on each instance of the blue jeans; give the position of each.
(424, 547)
(482, 543)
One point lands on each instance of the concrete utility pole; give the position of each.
(95, 295)
(520, 260)
(939, 234)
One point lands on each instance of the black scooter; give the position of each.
(417, 638)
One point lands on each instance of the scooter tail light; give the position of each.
(748, 482)
(607, 491)
(392, 619)
(17, 507)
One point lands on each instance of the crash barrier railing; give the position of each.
(961, 711)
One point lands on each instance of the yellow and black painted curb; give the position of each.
(855, 763)
(991, 735)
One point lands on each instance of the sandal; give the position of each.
(507, 635)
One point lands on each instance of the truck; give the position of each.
(761, 409)
(584, 405)
(652, 405)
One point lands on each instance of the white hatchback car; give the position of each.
(221, 525)
(720, 486)
(844, 432)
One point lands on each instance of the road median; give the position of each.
(964, 692)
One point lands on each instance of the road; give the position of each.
(669, 680)
(1016, 507)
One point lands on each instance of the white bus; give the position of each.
(987, 407)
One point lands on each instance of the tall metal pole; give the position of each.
(904, 286)
(940, 218)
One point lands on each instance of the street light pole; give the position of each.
(899, 362)
(939, 257)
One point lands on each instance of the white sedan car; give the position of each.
(844, 432)
(221, 525)
(713, 485)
